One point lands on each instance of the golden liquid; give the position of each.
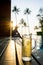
(26, 47)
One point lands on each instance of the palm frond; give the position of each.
(24, 23)
(38, 15)
(15, 9)
(27, 11)
(41, 10)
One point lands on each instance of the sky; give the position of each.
(33, 5)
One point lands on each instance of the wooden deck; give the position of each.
(13, 54)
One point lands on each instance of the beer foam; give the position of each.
(26, 58)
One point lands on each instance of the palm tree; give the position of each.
(23, 22)
(40, 15)
(36, 28)
(16, 10)
(23, 25)
(27, 11)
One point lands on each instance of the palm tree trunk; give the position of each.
(16, 18)
(28, 24)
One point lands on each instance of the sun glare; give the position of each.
(12, 25)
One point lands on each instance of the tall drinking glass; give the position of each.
(26, 47)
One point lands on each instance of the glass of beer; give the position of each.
(26, 47)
